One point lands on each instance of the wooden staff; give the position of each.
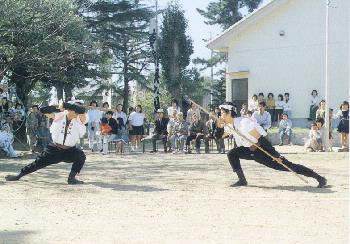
(232, 130)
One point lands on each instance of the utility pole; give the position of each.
(327, 122)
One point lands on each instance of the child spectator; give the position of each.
(287, 105)
(285, 128)
(136, 121)
(105, 132)
(314, 103)
(321, 113)
(280, 104)
(6, 140)
(314, 142)
(244, 110)
(253, 103)
(122, 136)
(343, 127)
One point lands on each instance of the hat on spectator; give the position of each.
(160, 110)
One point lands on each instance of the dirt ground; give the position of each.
(148, 198)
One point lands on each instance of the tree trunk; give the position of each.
(59, 91)
(23, 85)
(68, 92)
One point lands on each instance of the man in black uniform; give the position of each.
(160, 130)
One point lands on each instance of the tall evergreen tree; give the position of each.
(175, 49)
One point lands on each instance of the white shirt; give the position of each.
(252, 105)
(122, 115)
(171, 110)
(244, 126)
(280, 104)
(136, 119)
(315, 101)
(76, 130)
(95, 115)
(288, 106)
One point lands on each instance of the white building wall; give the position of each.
(295, 63)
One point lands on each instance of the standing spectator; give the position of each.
(197, 130)
(160, 130)
(4, 105)
(170, 130)
(18, 115)
(122, 136)
(179, 133)
(120, 114)
(314, 103)
(129, 126)
(105, 132)
(193, 110)
(32, 124)
(263, 118)
(343, 127)
(244, 110)
(136, 121)
(321, 113)
(280, 104)
(253, 103)
(270, 105)
(261, 97)
(287, 105)
(285, 128)
(94, 116)
(105, 109)
(174, 107)
(43, 134)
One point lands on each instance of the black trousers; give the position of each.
(198, 141)
(238, 153)
(157, 137)
(53, 155)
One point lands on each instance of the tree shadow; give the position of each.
(119, 187)
(15, 237)
(309, 189)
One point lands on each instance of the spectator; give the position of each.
(4, 105)
(287, 105)
(193, 110)
(285, 128)
(129, 126)
(174, 107)
(244, 110)
(122, 136)
(6, 140)
(279, 107)
(321, 113)
(105, 108)
(178, 133)
(261, 97)
(113, 124)
(105, 132)
(314, 103)
(32, 124)
(43, 132)
(314, 143)
(120, 114)
(253, 103)
(270, 105)
(170, 130)
(197, 130)
(262, 117)
(215, 133)
(343, 127)
(136, 121)
(94, 116)
(160, 131)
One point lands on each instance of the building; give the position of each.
(281, 47)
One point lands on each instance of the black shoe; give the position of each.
(153, 151)
(322, 182)
(73, 181)
(12, 177)
(241, 182)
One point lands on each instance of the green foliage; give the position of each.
(45, 41)
(175, 49)
(148, 107)
(219, 89)
(227, 12)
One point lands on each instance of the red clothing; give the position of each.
(105, 129)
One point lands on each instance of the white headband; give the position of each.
(226, 106)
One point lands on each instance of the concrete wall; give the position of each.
(294, 63)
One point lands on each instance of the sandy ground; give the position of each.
(175, 199)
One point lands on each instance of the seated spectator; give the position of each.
(343, 126)
(253, 103)
(270, 105)
(262, 117)
(244, 110)
(215, 133)
(193, 110)
(314, 104)
(174, 107)
(6, 140)
(315, 141)
(160, 130)
(170, 127)
(285, 128)
(122, 136)
(321, 113)
(287, 109)
(4, 105)
(280, 104)
(113, 124)
(120, 114)
(32, 124)
(178, 133)
(197, 131)
(105, 133)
